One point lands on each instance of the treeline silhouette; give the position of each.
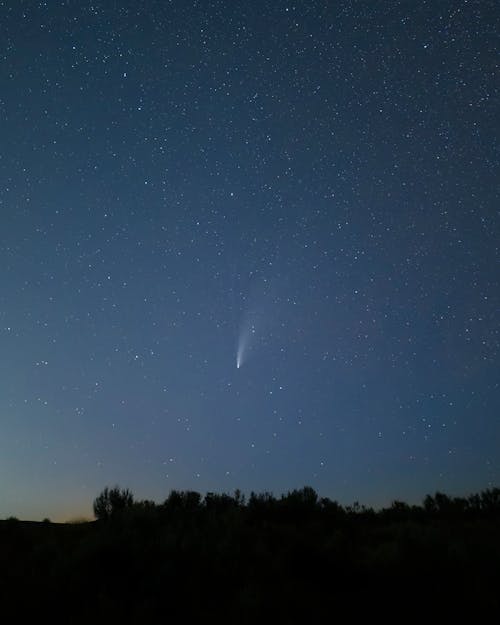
(223, 558)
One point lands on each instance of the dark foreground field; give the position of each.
(298, 559)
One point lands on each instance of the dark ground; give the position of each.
(297, 559)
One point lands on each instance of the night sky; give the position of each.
(307, 190)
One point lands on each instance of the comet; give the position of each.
(253, 319)
(243, 344)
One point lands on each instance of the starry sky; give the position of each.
(247, 245)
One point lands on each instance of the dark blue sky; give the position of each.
(314, 183)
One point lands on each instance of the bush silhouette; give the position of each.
(221, 558)
(111, 502)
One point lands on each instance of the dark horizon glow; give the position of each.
(248, 245)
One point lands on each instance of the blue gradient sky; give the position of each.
(173, 174)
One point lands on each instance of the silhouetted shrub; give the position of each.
(111, 502)
(287, 560)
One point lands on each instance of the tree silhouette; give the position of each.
(287, 558)
(111, 502)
